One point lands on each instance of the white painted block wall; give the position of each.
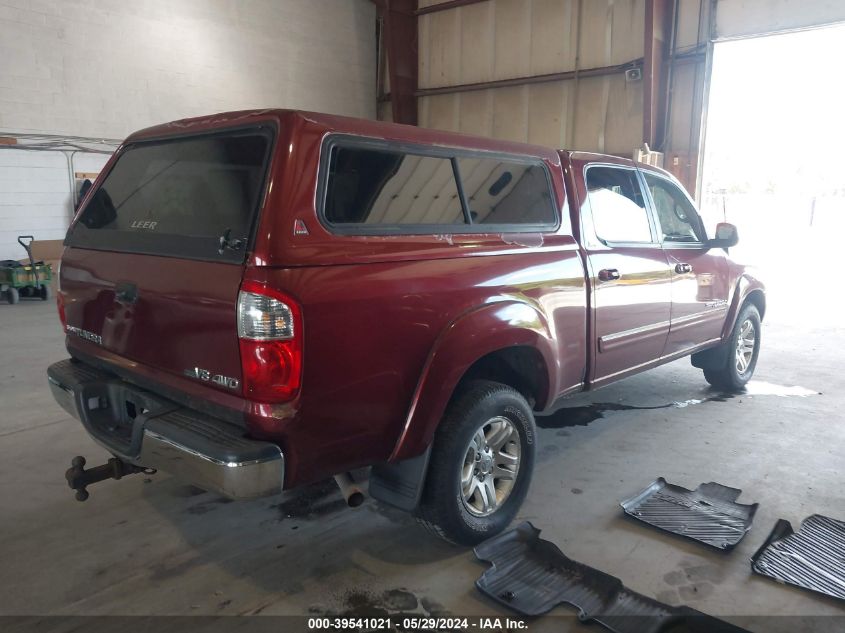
(104, 68)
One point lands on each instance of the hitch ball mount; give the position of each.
(79, 479)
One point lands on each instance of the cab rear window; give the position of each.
(195, 197)
(370, 187)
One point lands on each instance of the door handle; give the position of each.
(683, 268)
(609, 274)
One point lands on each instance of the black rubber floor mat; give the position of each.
(709, 514)
(532, 576)
(812, 558)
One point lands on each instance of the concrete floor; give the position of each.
(157, 546)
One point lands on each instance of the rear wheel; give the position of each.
(44, 292)
(12, 295)
(481, 464)
(743, 348)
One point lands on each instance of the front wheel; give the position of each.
(13, 296)
(481, 464)
(743, 348)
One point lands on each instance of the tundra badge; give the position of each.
(88, 336)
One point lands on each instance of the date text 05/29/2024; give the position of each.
(417, 623)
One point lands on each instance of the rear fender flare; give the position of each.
(474, 334)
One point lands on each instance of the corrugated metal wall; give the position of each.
(506, 39)
(495, 40)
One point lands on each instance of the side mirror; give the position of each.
(726, 236)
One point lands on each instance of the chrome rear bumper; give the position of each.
(144, 429)
(232, 479)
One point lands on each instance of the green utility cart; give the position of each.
(19, 280)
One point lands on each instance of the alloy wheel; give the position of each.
(745, 344)
(490, 466)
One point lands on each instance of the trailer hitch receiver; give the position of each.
(79, 479)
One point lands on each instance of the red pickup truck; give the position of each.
(258, 300)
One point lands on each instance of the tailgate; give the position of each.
(171, 314)
(155, 258)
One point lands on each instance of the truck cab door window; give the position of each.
(632, 298)
(700, 284)
(679, 221)
(618, 207)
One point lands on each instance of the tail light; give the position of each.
(270, 333)
(60, 297)
(60, 306)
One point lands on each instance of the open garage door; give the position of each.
(773, 159)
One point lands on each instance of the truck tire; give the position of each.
(743, 348)
(481, 464)
(45, 293)
(13, 296)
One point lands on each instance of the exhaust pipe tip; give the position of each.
(353, 495)
(355, 499)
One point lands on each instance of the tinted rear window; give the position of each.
(179, 197)
(505, 192)
(381, 187)
(386, 190)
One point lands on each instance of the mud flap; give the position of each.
(400, 484)
(712, 358)
(532, 576)
(709, 514)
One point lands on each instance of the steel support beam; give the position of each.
(532, 79)
(657, 65)
(399, 18)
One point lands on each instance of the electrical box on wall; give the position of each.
(634, 74)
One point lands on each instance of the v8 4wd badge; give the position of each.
(218, 379)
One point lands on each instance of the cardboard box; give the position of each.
(48, 250)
